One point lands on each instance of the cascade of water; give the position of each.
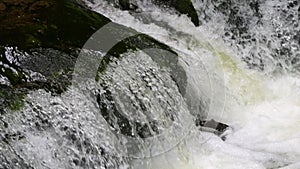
(233, 37)
(240, 67)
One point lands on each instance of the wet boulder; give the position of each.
(181, 6)
(40, 42)
(63, 25)
(126, 45)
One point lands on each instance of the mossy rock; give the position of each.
(58, 24)
(18, 84)
(58, 28)
(11, 98)
(34, 27)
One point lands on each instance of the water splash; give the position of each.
(262, 103)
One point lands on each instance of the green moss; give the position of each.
(13, 77)
(17, 104)
(53, 26)
(33, 40)
(11, 98)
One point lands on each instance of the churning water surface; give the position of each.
(262, 106)
(242, 84)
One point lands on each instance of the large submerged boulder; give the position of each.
(40, 42)
(49, 35)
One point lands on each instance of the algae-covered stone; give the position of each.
(11, 98)
(58, 24)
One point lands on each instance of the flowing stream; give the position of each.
(244, 82)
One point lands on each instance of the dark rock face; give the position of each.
(58, 24)
(182, 6)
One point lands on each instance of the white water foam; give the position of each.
(264, 111)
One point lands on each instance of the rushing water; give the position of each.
(251, 84)
(262, 103)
